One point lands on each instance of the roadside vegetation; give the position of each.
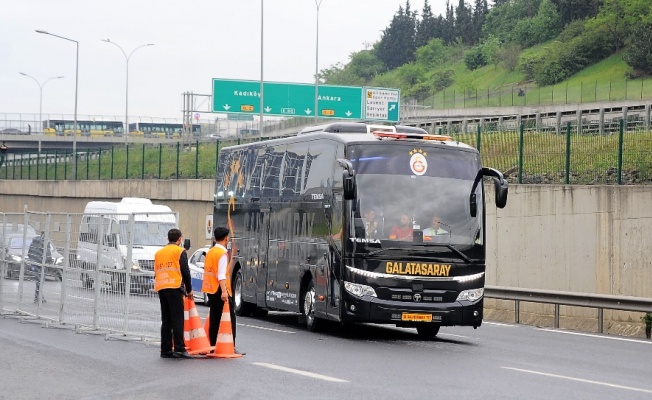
(548, 51)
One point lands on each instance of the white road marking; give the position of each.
(497, 324)
(622, 339)
(299, 372)
(265, 329)
(453, 335)
(580, 380)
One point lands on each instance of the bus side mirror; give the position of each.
(349, 185)
(501, 192)
(348, 179)
(186, 244)
(500, 185)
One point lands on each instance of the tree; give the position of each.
(449, 24)
(463, 23)
(433, 55)
(427, 27)
(544, 26)
(572, 10)
(491, 50)
(639, 53)
(365, 64)
(480, 12)
(398, 43)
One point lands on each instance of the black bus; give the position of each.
(334, 224)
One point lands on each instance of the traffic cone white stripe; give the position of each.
(224, 338)
(186, 315)
(226, 317)
(193, 312)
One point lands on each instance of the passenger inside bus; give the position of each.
(402, 231)
(435, 228)
(371, 226)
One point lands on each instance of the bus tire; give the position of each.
(308, 308)
(428, 331)
(242, 308)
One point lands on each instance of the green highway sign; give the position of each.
(298, 100)
(382, 104)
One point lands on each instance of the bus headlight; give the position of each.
(359, 290)
(15, 259)
(471, 294)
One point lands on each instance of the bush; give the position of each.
(443, 79)
(475, 59)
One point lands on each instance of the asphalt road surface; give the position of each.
(284, 361)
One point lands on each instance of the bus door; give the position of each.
(334, 262)
(261, 273)
(280, 250)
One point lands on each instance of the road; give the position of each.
(284, 361)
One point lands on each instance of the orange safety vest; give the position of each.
(167, 269)
(211, 284)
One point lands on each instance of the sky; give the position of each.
(194, 42)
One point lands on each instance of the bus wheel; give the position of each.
(242, 308)
(309, 307)
(428, 331)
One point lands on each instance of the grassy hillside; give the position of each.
(495, 86)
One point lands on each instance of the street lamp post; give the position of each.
(127, 57)
(40, 86)
(261, 126)
(74, 136)
(318, 4)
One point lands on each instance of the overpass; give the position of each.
(588, 118)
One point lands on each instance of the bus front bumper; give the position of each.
(379, 311)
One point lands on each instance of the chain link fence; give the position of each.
(574, 152)
(80, 276)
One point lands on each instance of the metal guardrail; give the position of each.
(558, 298)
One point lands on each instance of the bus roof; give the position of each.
(356, 132)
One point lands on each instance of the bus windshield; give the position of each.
(410, 194)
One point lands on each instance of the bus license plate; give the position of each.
(416, 317)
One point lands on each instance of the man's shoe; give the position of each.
(167, 354)
(182, 354)
(240, 353)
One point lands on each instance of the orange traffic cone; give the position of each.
(193, 332)
(224, 346)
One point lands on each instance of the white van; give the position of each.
(148, 224)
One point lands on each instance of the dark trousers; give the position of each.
(215, 314)
(171, 320)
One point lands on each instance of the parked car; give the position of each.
(13, 245)
(196, 264)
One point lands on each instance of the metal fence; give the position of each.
(532, 95)
(611, 153)
(83, 280)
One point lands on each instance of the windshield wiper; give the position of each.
(448, 246)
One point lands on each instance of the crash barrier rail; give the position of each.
(82, 277)
(559, 298)
(525, 154)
